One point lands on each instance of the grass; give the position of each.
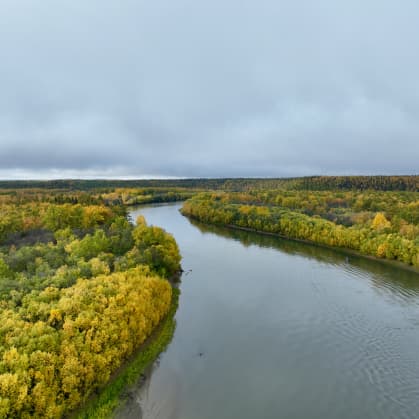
(110, 397)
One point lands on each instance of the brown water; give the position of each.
(269, 328)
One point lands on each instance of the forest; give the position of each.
(81, 288)
(374, 223)
(382, 183)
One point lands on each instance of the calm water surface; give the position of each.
(269, 328)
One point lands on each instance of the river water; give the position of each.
(269, 328)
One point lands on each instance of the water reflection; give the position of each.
(385, 275)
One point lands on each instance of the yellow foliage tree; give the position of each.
(380, 222)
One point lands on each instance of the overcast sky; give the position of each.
(197, 88)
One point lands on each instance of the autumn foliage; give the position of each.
(381, 224)
(61, 345)
(81, 288)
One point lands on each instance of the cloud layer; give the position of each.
(208, 88)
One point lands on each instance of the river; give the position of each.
(269, 328)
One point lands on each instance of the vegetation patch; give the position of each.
(77, 300)
(379, 224)
(110, 397)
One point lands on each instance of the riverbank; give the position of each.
(115, 392)
(370, 233)
(343, 250)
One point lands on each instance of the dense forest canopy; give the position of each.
(383, 183)
(81, 287)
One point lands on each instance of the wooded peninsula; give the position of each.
(81, 288)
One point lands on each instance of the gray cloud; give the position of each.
(214, 88)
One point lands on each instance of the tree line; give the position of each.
(384, 183)
(372, 231)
